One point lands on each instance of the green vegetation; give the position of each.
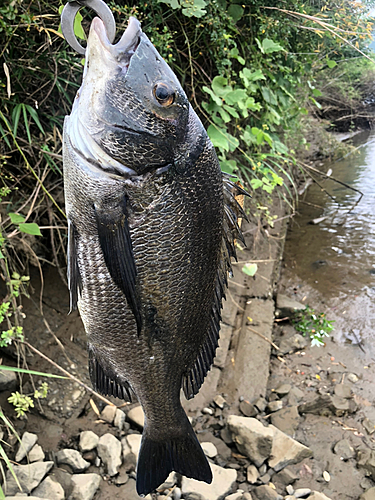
(314, 325)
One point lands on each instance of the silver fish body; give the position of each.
(151, 233)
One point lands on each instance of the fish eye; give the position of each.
(164, 94)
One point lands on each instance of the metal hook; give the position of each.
(69, 13)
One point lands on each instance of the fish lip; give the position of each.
(127, 44)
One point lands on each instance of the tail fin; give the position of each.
(182, 454)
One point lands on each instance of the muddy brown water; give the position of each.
(336, 257)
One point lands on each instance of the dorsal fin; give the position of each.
(194, 379)
(117, 248)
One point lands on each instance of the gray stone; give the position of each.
(321, 405)
(235, 496)
(291, 344)
(275, 405)
(340, 405)
(352, 377)
(119, 419)
(27, 442)
(283, 389)
(343, 391)
(222, 449)
(248, 409)
(108, 413)
(137, 416)
(84, 486)
(73, 458)
(315, 495)
(285, 477)
(8, 381)
(266, 493)
(368, 495)
(134, 441)
(36, 454)
(302, 492)
(286, 420)
(251, 437)
(109, 450)
(369, 425)
(252, 474)
(287, 305)
(219, 401)
(50, 489)
(286, 451)
(88, 441)
(209, 449)
(260, 404)
(344, 449)
(122, 478)
(366, 460)
(223, 483)
(295, 396)
(29, 476)
(266, 478)
(289, 489)
(17, 497)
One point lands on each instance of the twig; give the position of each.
(263, 337)
(311, 204)
(69, 375)
(234, 302)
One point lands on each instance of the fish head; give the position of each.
(130, 103)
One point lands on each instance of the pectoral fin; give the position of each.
(74, 277)
(116, 245)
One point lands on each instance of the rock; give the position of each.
(90, 456)
(344, 450)
(109, 450)
(266, 478)
(137, 416)
(171, 480)
(134, 441)
(17, 497)
(343, 391)
(285, 477)
(340, 405)
(251, 437)
(286, 420)
(352, 377)
(8, 380)
(36, 454)
(295, 396)
(252, 474)
(209, 449)
(368, 495)
(260, 404)
(286, 451)
(318, 406)
(369, 425)
(235, 496)
(122, 478)
(283, 389)
(222, 449)
(266, 493)
(315, 495)
(29, 477)
(247, 409)
(50, 489)
(88, 441)
(84, 486)
(302, 492)
(208, 411)
(27, 442)
(64, 478)
(366, 460)
(226, 436)
(291, 344)
(223, 482)
(73, 458)
(219, 401)
(119, 419)
(287, 305)
(289, 489)
(108, 413)
(275, 405)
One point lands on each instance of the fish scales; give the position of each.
(149, 242)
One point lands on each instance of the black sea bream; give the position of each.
(152, 223)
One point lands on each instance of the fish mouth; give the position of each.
(125, 48)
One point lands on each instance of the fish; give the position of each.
(152, 226)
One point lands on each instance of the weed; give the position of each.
(314, 325)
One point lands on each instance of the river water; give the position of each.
(335, 259)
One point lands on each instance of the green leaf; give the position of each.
(220, 86)
(270, 46)
(235, 96)
(252, 76)
(317, 93)
(218, 138)
(331, 64)
(77, 28)
(224, 115)
(250, 269)
(256, 183)
(231, 111)
(29, 372)
(235, 11)
(16, 218)
(228, 166)
(35, 117)
(16, 118)
(26, 122)
(30, 228)
(214, 97)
